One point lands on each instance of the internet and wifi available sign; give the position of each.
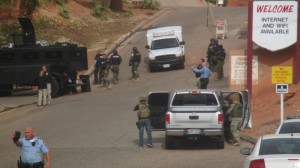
(275, 24)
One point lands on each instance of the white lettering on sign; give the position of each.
(239, 70)
(275, 24)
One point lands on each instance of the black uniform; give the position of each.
(98, 61)
(115, 61)
(212, 55)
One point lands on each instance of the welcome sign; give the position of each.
(275, 24)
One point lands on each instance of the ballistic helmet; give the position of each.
(115, 51)
(142, 98)
(134, 49)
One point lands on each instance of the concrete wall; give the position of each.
(266, 59)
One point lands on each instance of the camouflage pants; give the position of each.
(236, 124)
(134, 70)
(105, 79)
(219, 69)
(115, 70)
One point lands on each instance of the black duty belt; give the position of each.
(144, 118)
(31, 165)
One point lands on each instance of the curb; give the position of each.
(4, 107)
(124, 37)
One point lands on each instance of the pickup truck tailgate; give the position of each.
(199, 117)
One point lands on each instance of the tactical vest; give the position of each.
(144, 111)
(237, 111)
(115, 60)
(136, 57)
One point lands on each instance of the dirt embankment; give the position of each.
(81, 27)
(266, 111)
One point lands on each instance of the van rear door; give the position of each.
(158, 103)
(244, 100)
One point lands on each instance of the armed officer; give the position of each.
(144, 122)
(221, 54)
(107, 65)
(32, 148)
(211, 54)
(102, 67)
(115, 61)
(134, 62)
(97, 67)
(235, 112)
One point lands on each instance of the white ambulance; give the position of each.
(166, 48)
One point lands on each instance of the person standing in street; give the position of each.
(97, 67)
(106, 83)
(235, 112)
(221, 54)
(42, 89)
(144, 122)
(32, 149)
(134, 62)
(48, 81)
(102, 67)
(197, 75)
(205, 74)
(211, 54)
(115, 61)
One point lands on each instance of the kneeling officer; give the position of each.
(32, 148)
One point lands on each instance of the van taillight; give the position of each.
(220, 118)
(260, 163)
(167, 118)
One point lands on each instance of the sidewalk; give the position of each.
(18, 99)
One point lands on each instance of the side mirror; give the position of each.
(147, 47)
(245, 151)
(182, 43)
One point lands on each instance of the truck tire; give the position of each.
(220, 142)
(54, 87)
(169, 142)
(182, 65)
(151, 69)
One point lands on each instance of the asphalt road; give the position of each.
(96, 129)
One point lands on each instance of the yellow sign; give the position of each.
(282, 75)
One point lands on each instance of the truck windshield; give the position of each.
(194, 99)
(164, 43)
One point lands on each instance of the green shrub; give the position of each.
(42, 22)
(128, 13)
(150, 4)
(64, 12)
(100, 11)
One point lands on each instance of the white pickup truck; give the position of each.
(166, 48)
(195, 113)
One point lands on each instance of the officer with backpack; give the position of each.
(134, 62)
(143, 115)
(115, 61)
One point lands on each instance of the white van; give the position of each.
(166, 48)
